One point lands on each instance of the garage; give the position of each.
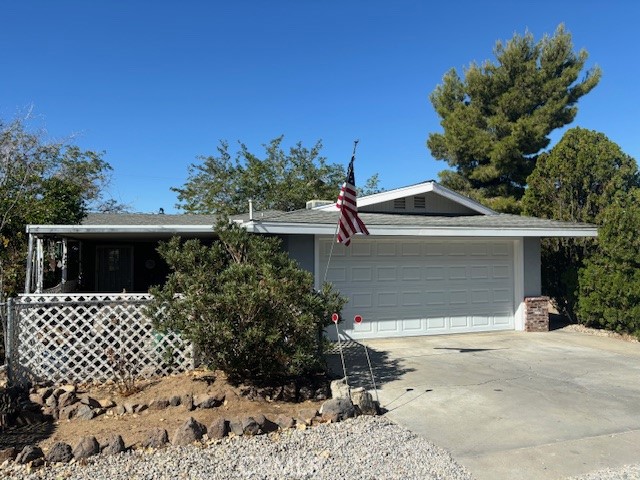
(413, 286)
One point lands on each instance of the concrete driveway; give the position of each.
(513, 405)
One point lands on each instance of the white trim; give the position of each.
(413, 190)
(316, 261)
(404, 230)
(518, 284)
(72, 229)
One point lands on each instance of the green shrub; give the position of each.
(609, 295)
(247, 307)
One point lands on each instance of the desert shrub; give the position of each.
(247, 307)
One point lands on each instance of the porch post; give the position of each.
(39, 264)
(27, 280)
(64, 265)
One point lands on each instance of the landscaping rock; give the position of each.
(68, 388)
(190, 431)
(266, 425)
(67, 413)
(174, 401)
(306, 415)
(89, 401)
(44, 392)
(187, 402)
(322, 393)
(289, 392)
(141, 408)
(218, 429)
(337, 409)
(59, 452)
(30, 453)
(119, 410)
(8, 454)
(156, 438)
(340, 389)
(250, 426)
(208, 401)
(87, 447)
(235, 427)
(36, 398)
(130, 407)
(159, 404)
(114, 444)
(51, 402)
(284, 421)
(305, 392)
(106, 403)
(364, 401)
(84, 412)
(66, 399)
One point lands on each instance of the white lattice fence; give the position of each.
(75, 337)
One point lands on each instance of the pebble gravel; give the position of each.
(362, 448)
(628, 472)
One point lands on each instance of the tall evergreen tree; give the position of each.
(575, 181)
(497, 118)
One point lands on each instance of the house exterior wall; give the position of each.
(532, 275)
(301, 248)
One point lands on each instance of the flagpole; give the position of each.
(326, 271)
(335, 235)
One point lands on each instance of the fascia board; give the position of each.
(418, 189)
(386, 196)
(461, 199)
(75, 229)
(394, 230)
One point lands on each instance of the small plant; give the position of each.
(123, 373)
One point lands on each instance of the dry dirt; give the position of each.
(133, 427)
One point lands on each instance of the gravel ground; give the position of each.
(363, 448)
(628, 472)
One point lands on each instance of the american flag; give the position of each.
(349, 223)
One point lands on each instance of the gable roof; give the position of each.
(428, 187)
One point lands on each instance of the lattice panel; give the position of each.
(77, 337)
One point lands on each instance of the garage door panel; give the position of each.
(361, 274)
(386, 274)
(459, 322)
(387, 299)
(413, 299)
(409, 287)
(411, 273)
(436, 324)
(412, 325)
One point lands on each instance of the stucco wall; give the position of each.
(532, 277)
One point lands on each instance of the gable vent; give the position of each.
(419, 202)
(400, 203)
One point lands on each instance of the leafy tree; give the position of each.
(575, 181)
(40, 182)
(279, 181)
(248, 308)
(610, 281)
(497, 119)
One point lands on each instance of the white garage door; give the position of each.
(407, 287)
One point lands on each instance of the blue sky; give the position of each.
(157, 83)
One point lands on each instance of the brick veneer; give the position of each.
(536, 314)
